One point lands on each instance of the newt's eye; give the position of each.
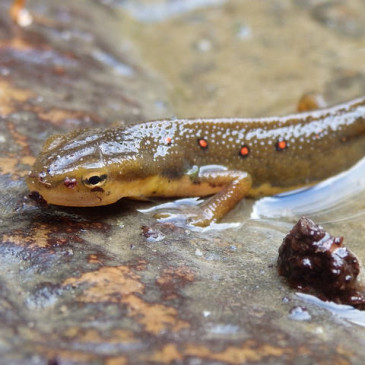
(94, 180)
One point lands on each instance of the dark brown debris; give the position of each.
(314, 261)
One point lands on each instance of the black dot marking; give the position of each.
(97, 188)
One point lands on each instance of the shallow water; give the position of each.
(342, 194)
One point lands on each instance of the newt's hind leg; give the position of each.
(311, 101)
(235, 186)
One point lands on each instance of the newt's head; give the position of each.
(78, 169)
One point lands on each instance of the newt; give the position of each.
(229, 158)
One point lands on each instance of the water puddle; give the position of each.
(340, 311)
(342, 191)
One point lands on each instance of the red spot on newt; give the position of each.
(281, 145)
(203, 143)
(244, 151)
(70, 183)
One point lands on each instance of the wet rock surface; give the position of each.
(84, 286)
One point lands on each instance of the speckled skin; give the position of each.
(167, 158)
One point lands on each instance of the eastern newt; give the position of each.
(226, 158)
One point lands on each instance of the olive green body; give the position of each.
(283, 152)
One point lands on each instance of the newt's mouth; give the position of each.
(38, 198)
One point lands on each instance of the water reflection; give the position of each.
(340, 311)
(344, 191)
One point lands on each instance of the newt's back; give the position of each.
(289, 151)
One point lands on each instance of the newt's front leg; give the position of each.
(235, 186)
